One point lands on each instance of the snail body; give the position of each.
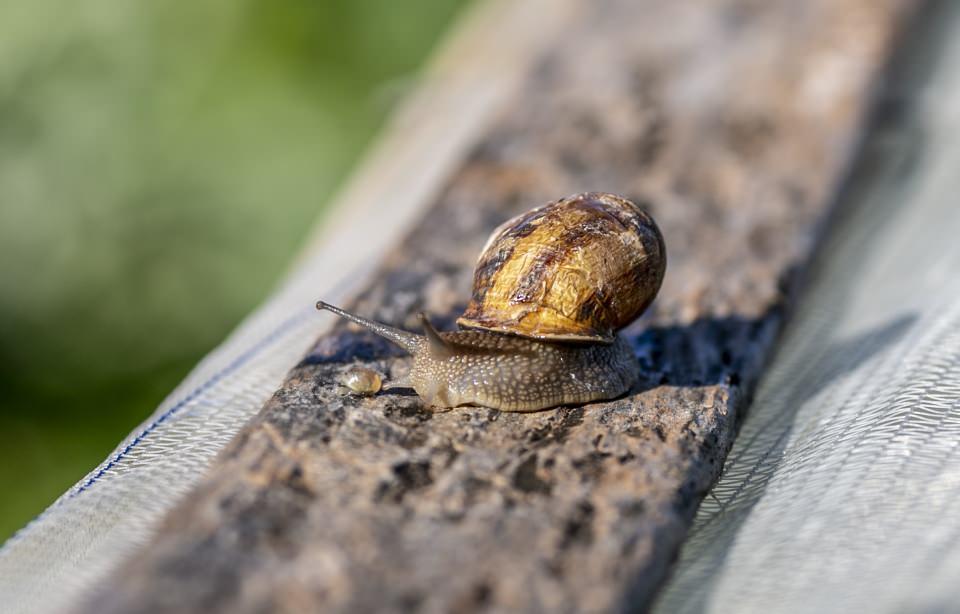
(551, 289)
(507, 372)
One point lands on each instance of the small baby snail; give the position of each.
(550, 291)
(362, 381)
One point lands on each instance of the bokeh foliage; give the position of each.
(160, 162)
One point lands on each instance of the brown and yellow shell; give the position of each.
(577, 269)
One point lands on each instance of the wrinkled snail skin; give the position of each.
(506, 372)
(551, 290)
(517, 374)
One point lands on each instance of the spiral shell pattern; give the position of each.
(577, 269)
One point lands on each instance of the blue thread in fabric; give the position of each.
(195, 393)
(238, 362)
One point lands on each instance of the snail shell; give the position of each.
(578, 269)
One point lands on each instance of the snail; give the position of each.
(551, 289)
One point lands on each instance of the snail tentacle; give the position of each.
(411, 342)
(436, 344)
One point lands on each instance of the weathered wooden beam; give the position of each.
(734, 122)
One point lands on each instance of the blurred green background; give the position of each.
(160, 163)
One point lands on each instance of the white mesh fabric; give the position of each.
(842, 490)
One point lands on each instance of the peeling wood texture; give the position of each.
(733, 121)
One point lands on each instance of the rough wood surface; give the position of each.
(733, 121)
